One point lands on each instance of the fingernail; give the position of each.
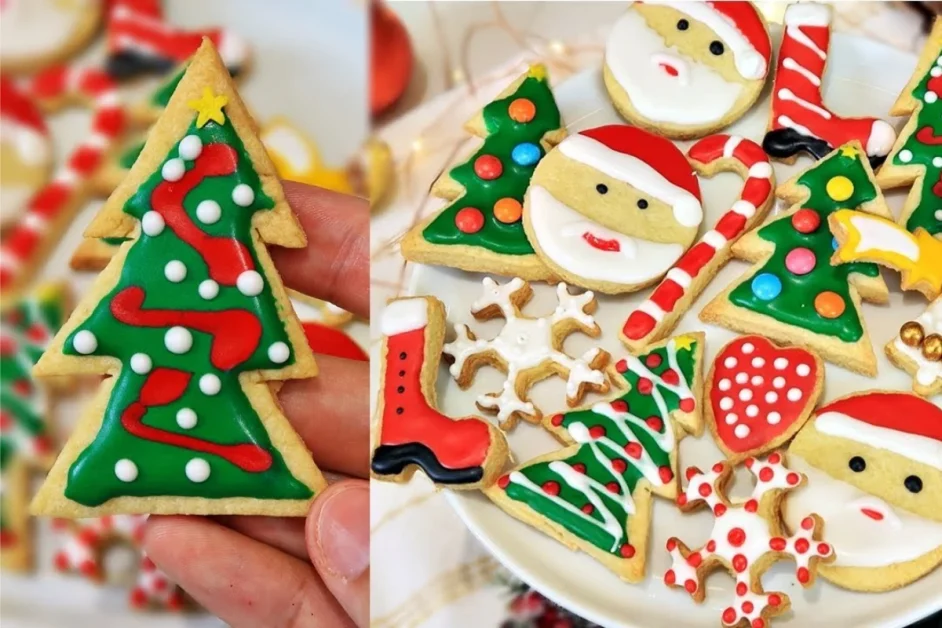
(343, 531)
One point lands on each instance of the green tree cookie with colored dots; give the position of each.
(481, 230)
(595, 494)
(189, 320)
(794, 295)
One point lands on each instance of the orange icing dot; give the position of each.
(508, 210)
(829, 304)
(522, 110)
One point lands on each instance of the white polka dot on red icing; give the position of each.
(741, 430)
(726, 403)
(752, 410)
(745, 394)
(741, 378)
(779, 382)
(731, 418)
(757, 380)
(803, 370)
(794, 394)
(771, 396)
(758, 362)
(780, 363)
(748, 348)
(774, 417)
(725, 384)
(730, 362)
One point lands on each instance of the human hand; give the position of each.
(289, 572)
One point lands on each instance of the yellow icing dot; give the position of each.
(840, 188)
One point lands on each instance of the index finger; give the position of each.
(335, 265)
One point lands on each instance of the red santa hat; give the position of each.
(740, 27)
(898, 422)
(647, 162)
(22, 124)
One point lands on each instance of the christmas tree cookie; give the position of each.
(916, 158)
(25, 446)
(595, 494)
(794, 295)
(190, 321)
(481, 230)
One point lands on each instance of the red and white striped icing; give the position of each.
(648, 320)
(71, 183)
(85, 541)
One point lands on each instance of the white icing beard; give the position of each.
(563, 235)
(636, 55)
(859, 540)
(38, 27)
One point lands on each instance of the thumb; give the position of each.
(338, 541)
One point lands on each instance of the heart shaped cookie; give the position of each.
(760, 395)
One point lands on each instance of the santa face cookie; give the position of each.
(874, 467)
(24, 151)
(686, 69)
(612, 208)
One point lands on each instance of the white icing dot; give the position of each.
(210, 384)
(152, 223)
(85, 342)
(726, 403)
(741, 378)
(175, 271)
(905, 156)
(758, 362)
(745, 394)
(731, 418)
(794, 394)
(803, 370)
(938, 214)
(741, 431)
(173, 170)
(730, 362)
(748, 348)
(125, 470)
(186, 418)
(937, 161)
(208, 211)
(197, 470)
(757, 380)
(279, 352)
(931, 97)
(780, 363)
(779, 382)
(774, 417)
(936, 71)
(243, 195)
(208, 289)
(725, 384)
(190, 147)
(178, 339)
(771, 396)
(250, 283)
(752, 410)
(141, 363)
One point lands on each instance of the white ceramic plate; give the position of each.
(864, 79)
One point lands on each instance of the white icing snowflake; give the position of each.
(528, 343)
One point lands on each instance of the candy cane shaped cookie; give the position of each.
(49, 212)
(657, 316)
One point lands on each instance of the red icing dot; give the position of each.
(488, 167)
(688, 404)
(694, 559)
(619, 465)
(175, 602)
(87, 536)
(741, 589)
(645, 386)
(597, 431)
(740, 563)
(578, 467)
(621, 366)
(160, 584)
(736, 537)
(551, 488)
(793, 478)
(634, 450)
(61, 561)
(588, 509)
(652, 361)
(691, 586)
(748, 607)
(778, 544)
(89, 569)
(521, 110)
(682, 500)
(806, 221)
(824, 549)
(5, 420)
(775, 458)
(671, 544)
(766, 474)
(655, 423)
(469, 220)
(7, 346)
(692, 471)
(42, 444)
(670, 376)
(620, 405)
(718, 467)
(802, 545)
(751, 505)
(775, 599)
(37, 333)
(705, 490)
(503, 481)
(670, 577)
(729, 616)
(612, 487)
(807, 523)
(557, 420)
(711, 545)
(749, 462)
(138, 598)
(627, 550)
(22, 387)
(758, 623)
(803, 575)
(147, 564)
(665, 473)
(719, 510)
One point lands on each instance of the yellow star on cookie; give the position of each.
(209, 107)
(537, 71)
(849, 151)
(684, 342)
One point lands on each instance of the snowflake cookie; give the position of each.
(528, 349)
(747, 538)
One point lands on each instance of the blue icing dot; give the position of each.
(525, 154)
(766, 286)
(834, 243)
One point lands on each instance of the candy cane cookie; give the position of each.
(657, 316)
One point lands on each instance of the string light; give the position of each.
(557, 47)
(457, 75)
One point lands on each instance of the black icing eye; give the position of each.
(716, 48)
(857, 464)
(642, 204)
(601, 188)
(683, 25)
(913, 484)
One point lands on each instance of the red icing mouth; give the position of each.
(671, 70)
(873, 514)
(601, 244)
